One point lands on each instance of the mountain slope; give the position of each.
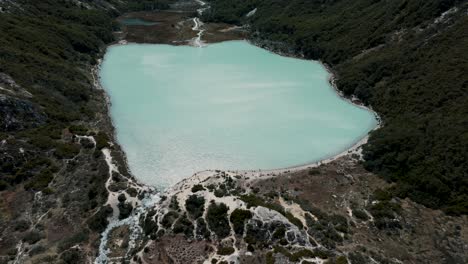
(406, 59)
(54, 125)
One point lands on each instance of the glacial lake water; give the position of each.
(180, 109)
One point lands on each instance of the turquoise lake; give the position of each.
(180, 109)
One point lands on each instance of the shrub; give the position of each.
(36, 250)
(98, 222)
(169, 219)
(22, 225)
(341, 260)
(360, 214)
(225, 250)
(279, 233)
(358, 258)
(385, 209)
(149, 225)
(125, 209)
(303, 253)
(238, 218)
(197, 187)
(314, 172)
(102, 140)
(220, 192)
(66, 150)
(269, 258)
(252, 201)
(72, 256)
(340, 223)
(174, 204)
(71, 241)
(183, 225)
(132, 192)
(48, 191)
(202, 230)
(217, 219)
(42, 142)
(195, 206)
(3, 185)
(78, 129)
(32, 237)
(40, 181)
(294, 220)
(122, 198)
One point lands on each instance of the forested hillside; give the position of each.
(405, 58)
(48, 47)
(52, 183)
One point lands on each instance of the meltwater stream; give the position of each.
(179, 109)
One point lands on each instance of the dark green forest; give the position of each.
(405, 59)
(48, 47)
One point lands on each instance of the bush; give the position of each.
(98, 222)
(125, 210)
(149, 225)
(385, 209)
(197, 187)
(341, 260)
(314, 172)
(183, 225)
(269, 258)
(40, 181)
(195, 206)
(303, 253)
(66, 150)
(202, 230)
(294, 220)
(169, 219)
(78, 129)
(132, 192)
(340, 223)
(220, 192)
(174, 204)
(217, 220)
(238, 218)
(102, 140)
(42, 142)
(32, 237)
(3, 185)
(252, 201)
(360, 214)
(71, 241)
(225, 250)
(36, 250)
(72, 256)
(22, 225)
(279, 233)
